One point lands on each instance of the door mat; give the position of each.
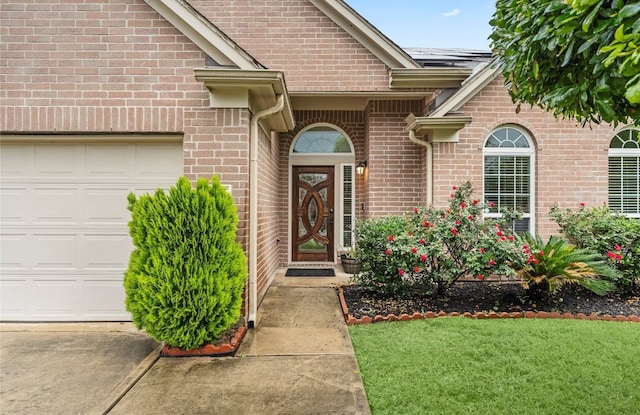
(310, 272)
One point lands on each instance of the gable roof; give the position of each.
(470, 87)
(365, 33)
(204, 34)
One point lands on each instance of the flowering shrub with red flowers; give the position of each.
(614, 236)
(430, 249)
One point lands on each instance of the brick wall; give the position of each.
(269, 211)
(571, 161)
(294, 36)
(396, 180)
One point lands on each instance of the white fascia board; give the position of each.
(362, 31)
(203, 33)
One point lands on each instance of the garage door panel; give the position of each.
(158, 161)
(13, 205)
(16, 161)
(54, 297)
(105, 252)
(13, 294)
(51, 251)
(105, 161)
(105, 206)
(13, 251)
(57, 161)
(54, 205)
(106, 298)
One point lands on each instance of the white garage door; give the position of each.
(64, 241)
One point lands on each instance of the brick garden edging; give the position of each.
(350, 320)
(225, 349)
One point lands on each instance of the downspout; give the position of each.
(429, 147)
(253, 206)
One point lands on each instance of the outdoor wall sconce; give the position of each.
(362, 164)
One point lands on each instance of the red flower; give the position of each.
(390, 238)
(482, 250)
(416, 269)
(415, 210)
(425, 224)
(510, 237)
(581, 204)
(470, 217)
(492, 262)
(423, 258)
(454, 231)
(499, 233)
(457, 223)
(475, 201)
(463, 205)
(401, 272)
(541, 253)
(388, 252)
(525, 248)
(480, 277)
(503, 238)
(452, 195)
(491, 204)
(455, 187)
(422, 242)
(614, 256)
(414, 250)
(617, 248)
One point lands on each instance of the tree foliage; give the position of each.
(577, 58)
(187, 272)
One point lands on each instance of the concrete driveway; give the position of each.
(70, 368)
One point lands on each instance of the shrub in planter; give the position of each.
(616, 237)
(187, 272)
(554, 263)
(432, 248)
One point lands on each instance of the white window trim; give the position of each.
(514, 151)
(623, 152)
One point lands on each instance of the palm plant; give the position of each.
(556, 262)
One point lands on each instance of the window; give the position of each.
(624, 172)
(508, 175)
(348, 201)
(322, 139)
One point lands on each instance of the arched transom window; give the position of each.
(322, 139)
(624, 172)
(509, 176)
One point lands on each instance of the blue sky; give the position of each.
(430, 23)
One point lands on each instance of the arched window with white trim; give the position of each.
(509, 175)
(624, 172)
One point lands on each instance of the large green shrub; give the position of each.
(432, 248)
(614, 236)
(187, 272)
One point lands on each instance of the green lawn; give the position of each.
(524, 366)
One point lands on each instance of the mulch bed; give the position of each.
(489, 298)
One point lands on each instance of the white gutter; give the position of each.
(429, 147)
(253, 205)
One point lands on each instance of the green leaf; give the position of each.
(629, 10)
(586, 24)
(619, 34)
(633, 93)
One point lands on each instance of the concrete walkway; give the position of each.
(299, 360)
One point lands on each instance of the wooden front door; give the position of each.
(313, 211)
